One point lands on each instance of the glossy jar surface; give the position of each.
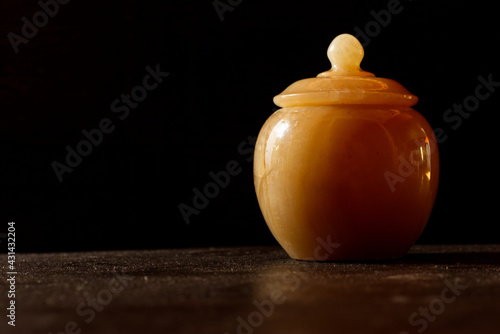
(352, 173)
(361, 177)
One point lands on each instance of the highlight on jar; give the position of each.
(323, 163)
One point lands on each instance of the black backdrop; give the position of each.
(225, 61)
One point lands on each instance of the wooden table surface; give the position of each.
(434, 289)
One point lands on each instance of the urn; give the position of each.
(346, 170)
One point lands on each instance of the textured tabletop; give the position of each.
(434, 289)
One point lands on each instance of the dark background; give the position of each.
(223, 76)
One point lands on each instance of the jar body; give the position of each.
(346, 182)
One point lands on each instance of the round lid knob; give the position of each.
(345, 53)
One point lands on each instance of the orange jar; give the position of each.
(346, 169)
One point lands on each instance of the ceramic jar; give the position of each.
(346, 169)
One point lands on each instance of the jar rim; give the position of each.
(345, 90)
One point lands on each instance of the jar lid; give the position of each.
(345, 82)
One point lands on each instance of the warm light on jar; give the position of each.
(346, 159)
